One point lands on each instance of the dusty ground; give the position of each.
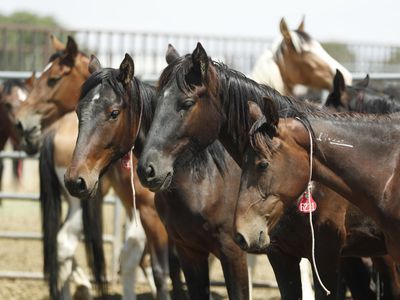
(26, 255)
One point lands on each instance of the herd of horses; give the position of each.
(221, 163)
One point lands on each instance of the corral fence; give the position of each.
(114, 239)
(25, 48)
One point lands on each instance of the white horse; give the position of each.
(297, 59)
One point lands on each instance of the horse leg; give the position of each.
(287, 273)
(158, 243)
(357, 278)
(327, 254)
(306, 275)
(68, 240)
(389, 275)
(234, 265)
(175, 272)
(131, 253)
(195, 267)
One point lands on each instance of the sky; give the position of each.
(369, 21)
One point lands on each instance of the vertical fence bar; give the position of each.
(116, 240)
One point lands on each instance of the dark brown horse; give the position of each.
(197, 210)
(200, 101)
(360, 98)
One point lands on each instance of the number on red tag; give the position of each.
(305, 205)
(126, 161)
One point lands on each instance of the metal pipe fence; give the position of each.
(114, 239)
(28, 48)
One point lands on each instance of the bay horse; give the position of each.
(360, 97)
(296, 58)
(335, 220)
(55, 94)
(335, 164)
(115, 113)
(201, 101)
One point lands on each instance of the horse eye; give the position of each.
(262, 165)
(187, 104)
(51, 82)
(114, 114)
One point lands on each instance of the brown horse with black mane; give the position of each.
(335, 163)
(197, 210)
(46, 110)
(201, 100)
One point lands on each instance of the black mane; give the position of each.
(235, 89)
(198, 162)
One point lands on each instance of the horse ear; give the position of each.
(56, 44)
(338, 82)
(171, 54)
(363, 83)
(71, 52)
(126, 70)
(301, 26)
(271, 111)
(339, 87)
(255, 112)
(200, 62)
(72, 47)
(285, 31)
(267, 122)
(94, 64)
(30, 81)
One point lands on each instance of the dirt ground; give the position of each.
(26, 255)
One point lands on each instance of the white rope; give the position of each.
(310, 211)
(135, 216)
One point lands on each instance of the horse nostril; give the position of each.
(81, 184)
(241, 241)
(150, 172)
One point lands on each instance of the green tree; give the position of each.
(24, 40)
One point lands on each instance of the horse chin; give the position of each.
(162, 184)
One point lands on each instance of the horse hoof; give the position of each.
(82, 293)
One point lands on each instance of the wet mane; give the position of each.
(235, 90)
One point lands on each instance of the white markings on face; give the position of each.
(47, 67)
(323, 137)
(96, 96)
(22, 94)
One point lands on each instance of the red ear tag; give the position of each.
(305, 206)
(126, 161)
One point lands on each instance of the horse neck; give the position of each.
(236, 124)
(376, 105)
(354, 157)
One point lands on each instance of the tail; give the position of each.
(50, 202)
(93, 231)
